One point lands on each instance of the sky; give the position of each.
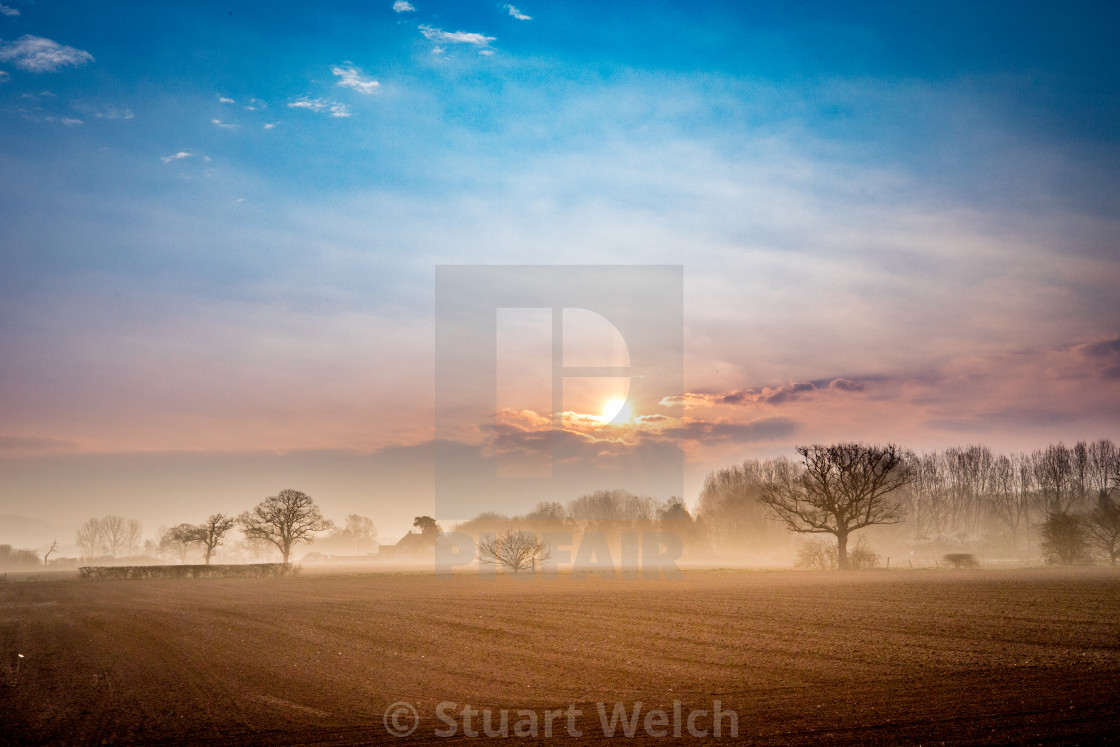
(220, 226)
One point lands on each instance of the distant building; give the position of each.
(412, 545)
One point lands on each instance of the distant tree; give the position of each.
(514, 549)
(178, 540)
(675, 519)
(427, 526)
(1104, 527)
(115, 536)
(15, 558)
(54, 548)
(211, 531)
(1064, 538)
(548, 511)
(285, 519)
(842, 488)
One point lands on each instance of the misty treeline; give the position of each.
(966, 498)
(962, 497)
(276, 524)
(608, 511)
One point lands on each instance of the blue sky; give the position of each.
(219, 223)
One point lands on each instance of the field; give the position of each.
(888, 657)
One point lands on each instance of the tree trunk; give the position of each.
(842, 550)
(285, 551)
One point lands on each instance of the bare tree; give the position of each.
(211, 531)
(1104, 527)
(514, 549)
(54, 548)
(90, 538)
(842, 488)
(109, 535)
(285, 519)
(179, 540)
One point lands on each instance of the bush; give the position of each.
(1065, 539)
(248, 570)
(961, 560)
(861, 558)
(817, 554)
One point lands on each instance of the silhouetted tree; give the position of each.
(842, 488)
(211, 531)
(514, 549)
(54, 548)
(1064, 538)
(179, 540)
(1104, 527)
(284, 520)
(427, 526)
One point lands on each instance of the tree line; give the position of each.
(281, 521)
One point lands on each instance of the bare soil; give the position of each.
(888, 657)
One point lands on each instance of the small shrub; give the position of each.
(861, 558)
(817, 554)
(961, 560)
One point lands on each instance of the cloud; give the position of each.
(6, 11)
(517, 13)
(70, 121)
(334, 108)
(704, 431)
(38, 55)
(351, 77)
(33, 443)
(223, 125)
(846, 385)
(178, 156)
(255, 104)
(269, 125)
(455, 37)
(4, 77)
(226, 100)
(403, 6)
(109, 111)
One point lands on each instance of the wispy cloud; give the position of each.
(36, 54)
(517, 13)
(763, 396)
(351, 77)
(223, 125)
(176, 157)
(4, 77)
(108, 111)
(269, 125)
(333, 108)
(6, 11)
(403, 6)
(69, 121)
(255, 104)
(439, 36)
(226, 100)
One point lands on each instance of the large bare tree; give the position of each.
(514, 549)
(284, 519)
(841, 488)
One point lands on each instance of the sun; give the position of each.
(616, 410)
